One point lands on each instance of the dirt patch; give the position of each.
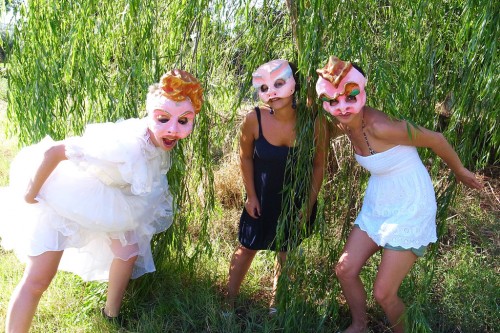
(490, 195)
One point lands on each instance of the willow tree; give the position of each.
(76, 62)
(432, 62)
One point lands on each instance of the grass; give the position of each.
(464, 295)
(467, 286)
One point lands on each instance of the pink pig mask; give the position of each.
(169, 121)
(341, 87)
(274, 79)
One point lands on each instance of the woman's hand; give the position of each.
(252, 207)
(30, 199)
(29, 196)
(468, 178)
(51, 158)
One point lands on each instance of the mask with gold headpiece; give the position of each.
(341, 87)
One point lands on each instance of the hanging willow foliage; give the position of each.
(432, 62)
(78, 62)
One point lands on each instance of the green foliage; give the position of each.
(8, 146)
(76, 62)
(73, 64)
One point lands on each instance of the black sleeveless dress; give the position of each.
(269, 164)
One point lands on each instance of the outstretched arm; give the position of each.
(400, 132)
(247, 137)
(443, 149)
(51, 159)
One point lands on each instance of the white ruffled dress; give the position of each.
(106, 201)
(399, 206)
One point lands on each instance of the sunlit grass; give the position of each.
(181, 300)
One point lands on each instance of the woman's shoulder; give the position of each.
(252, 113)
(250, 124)
(250, 117)
(382, 125)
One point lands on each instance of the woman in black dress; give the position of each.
(268, 138)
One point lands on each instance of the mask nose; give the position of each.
(172, 128)
(272, 92)
(342, 107)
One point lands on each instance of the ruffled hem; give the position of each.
(87, 253)
(398, 240)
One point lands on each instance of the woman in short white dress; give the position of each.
(399, 207)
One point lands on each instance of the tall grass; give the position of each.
(75, 62)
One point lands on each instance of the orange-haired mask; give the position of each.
(172, 105)
(341, 87)
(274, 79)
(169, 121)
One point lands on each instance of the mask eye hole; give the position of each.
(331, 102)
(351, 98)
(163, 119)
(264, 88)
(279, 83)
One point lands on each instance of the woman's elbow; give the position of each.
(56, 153)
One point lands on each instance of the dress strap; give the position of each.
(372, 152)
(257, 111)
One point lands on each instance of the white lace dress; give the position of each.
(106, 201)
(399, 206)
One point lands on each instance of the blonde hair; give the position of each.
(178, 85)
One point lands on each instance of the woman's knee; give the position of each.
(36, 284)
(344, 270)
(384, 294)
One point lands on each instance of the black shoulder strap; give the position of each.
(257, 111)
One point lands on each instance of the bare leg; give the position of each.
(278, 266)
(119, 277)
(393, 268)
(38, 274)
(358, 249)
(240, 263)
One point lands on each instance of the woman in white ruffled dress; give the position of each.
(399, 207)
(91, 204)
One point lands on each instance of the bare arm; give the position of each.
(247, 137)
(51, 159)
(400, 132)
(321, 137)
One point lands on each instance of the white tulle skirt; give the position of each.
(85, 214)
